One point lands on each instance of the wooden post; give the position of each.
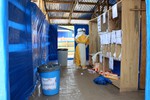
(98, 9)
(130, 45)
(148, 52)
(107, 4)
(143, 47)
(4, 57)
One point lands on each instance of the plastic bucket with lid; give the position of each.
(50, 78)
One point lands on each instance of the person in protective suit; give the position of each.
(82, 41)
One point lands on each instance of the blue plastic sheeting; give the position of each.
(20, 49)
(4, 75)
(117, 66)
(53, 40)
(147, 97)
(40, 36)
(101, 80)
(87, 33)
(40, 42)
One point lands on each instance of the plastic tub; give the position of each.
(62, 57)
(50, 79)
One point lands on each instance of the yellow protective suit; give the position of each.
(80, 52)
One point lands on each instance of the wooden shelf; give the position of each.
(129, 49)
(117, 59)
(116, 83)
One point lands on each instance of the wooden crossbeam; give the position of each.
(101, 4)
(68, 11)
(46, 11)
(70, 2)
(68, 18)
(72, 10)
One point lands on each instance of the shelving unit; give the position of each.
(125, 54)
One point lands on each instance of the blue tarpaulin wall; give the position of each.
(20, 49)
(53, 33)
(24, 46)
(147, 97)
(87, 32)
(40, 38)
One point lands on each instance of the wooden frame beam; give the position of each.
(70, 2)
(95, 10)
(68, 18)
(46, 11)
(101, 4)
(68, 11)
(72, 10)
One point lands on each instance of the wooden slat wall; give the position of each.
(143, 48)
(94, 37)
(130, 45)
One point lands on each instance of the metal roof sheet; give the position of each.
(66, 5)
(58, 6)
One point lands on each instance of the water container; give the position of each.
(50, 78)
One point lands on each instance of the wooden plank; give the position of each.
(72, 10)
(143, 49)
(93, 38)
(118, 50)
(130, 45)
(68, 18)
(104, 26)
(114, 24)
(112, 49)
(70, 2)
(105, 64)
(116, 83)
(45, 10)
(95, 9)
(67, 11)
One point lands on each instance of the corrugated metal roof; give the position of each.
(79, 21)
(82, 7)
(79, 15)
(58, 6)
(59, 0)
(58, 14)
(95, 1)
(59, 21)
(66, 5)
(54, 14)
(65, 21)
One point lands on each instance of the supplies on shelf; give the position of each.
(111, 43)
(91, 71)
(114, 37)
(99, 23)
(118, 36)
(114, 11)
(104, 17)
(109, 75)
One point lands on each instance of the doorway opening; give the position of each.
(66, 39)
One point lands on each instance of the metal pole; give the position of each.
(4, 58)
(147, 91)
